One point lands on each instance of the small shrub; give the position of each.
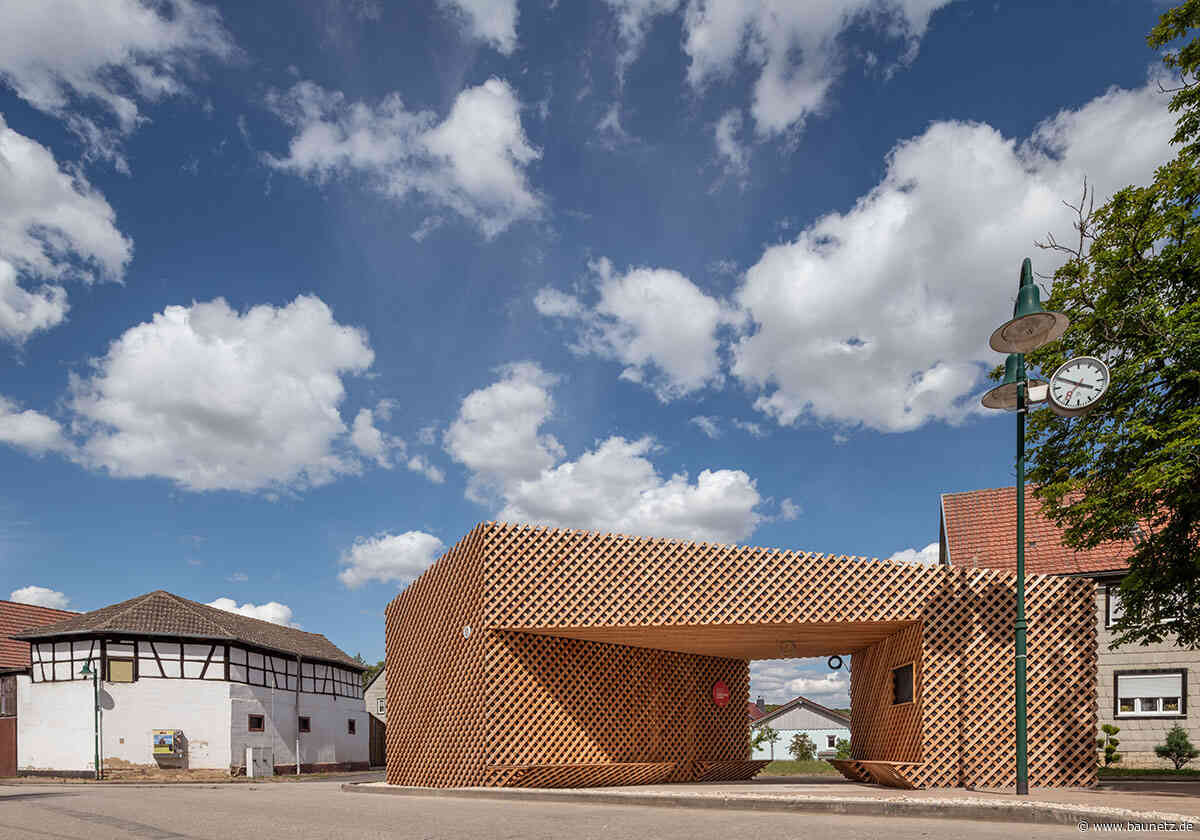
(1177, 748)
(802, 748)
(843, 748)
(1109, 744)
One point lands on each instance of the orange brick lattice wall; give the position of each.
(591, 658)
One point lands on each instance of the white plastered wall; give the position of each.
(329, 742)
(55, 722)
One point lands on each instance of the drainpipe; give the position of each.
(297, 714)
(99, 720)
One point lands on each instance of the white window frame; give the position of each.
(1112, 598)
(380, 706)
(831, 741)
(1157, 712)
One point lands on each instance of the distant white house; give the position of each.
(823, 725)
(375, 695)
(186, 685)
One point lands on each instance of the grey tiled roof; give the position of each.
(160, 613)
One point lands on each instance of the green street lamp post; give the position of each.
(94, 673)
(1030, 328)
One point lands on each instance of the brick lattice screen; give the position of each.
(591, 657)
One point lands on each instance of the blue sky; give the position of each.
(294, 294)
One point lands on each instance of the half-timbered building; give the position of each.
(216, 681)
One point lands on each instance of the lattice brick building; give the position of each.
(548, 657)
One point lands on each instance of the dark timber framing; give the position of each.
(329, 683)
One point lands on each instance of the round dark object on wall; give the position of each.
(835, 662)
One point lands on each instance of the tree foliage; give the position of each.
(843, 748)
(1131, 286)
(802, 747)
(765, 735)
(371, 671)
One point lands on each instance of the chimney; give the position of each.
(762, 706)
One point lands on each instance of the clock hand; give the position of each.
(1078, 384)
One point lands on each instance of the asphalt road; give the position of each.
(320, 810)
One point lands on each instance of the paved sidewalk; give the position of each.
(1176, 802)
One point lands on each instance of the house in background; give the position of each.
(823, 726)
(756, 710)
(375, 697)
(1143, 689)
(14, 661)
(216, 681)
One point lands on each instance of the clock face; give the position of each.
(1078, 385)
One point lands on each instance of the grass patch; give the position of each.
(799, 768)
(1118, 772)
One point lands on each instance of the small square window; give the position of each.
(902, 684)
(831, 741)
(381, 706)
(305, 724)
(256, 723)
(1126, 704)
(352, 726)
(1148, 704)
(1170, 704)
(121, 671)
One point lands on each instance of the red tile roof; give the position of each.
(803, 701)
(981, 530)
(16, 618)
(753, 711)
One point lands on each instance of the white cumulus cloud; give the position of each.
(634, 18)
(636, 321)
(30, 430)
(880, 316)
(781, 680)
(54, 226)
(797, 49)
(473, 162)
(927, 556)
(215, 399)
(497, 433)
(60, 54)
(389, 557)
(733, 151)
(493, 21)
(612, 487)
(272, 611)
(709, 425)
(40, 596)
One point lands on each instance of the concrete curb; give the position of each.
(1047, 813)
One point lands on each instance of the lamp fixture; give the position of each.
(1031, 325)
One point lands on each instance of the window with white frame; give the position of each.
(831, 741)
(381, 706)
(1159, 693)
(1112, 609)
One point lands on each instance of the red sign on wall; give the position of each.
(720, 693)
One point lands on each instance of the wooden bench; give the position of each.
(897, 774)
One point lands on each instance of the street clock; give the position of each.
(1078, 385)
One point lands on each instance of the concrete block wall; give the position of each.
(1139, 736)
